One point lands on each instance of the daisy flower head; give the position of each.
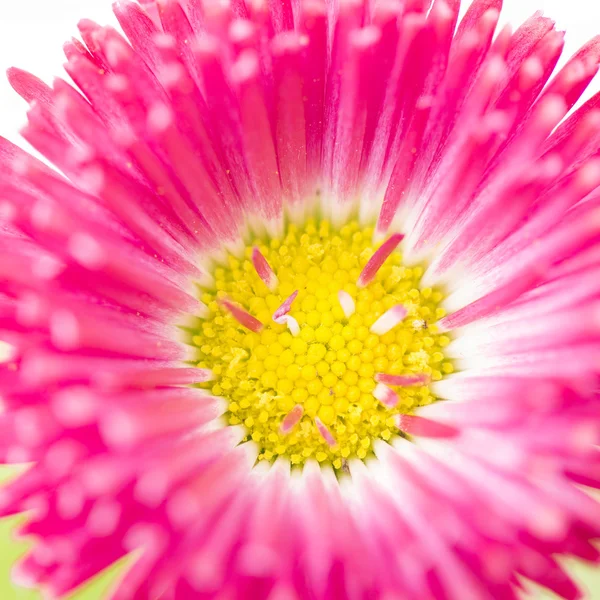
(308, 307)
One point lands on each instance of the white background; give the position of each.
(32, 33)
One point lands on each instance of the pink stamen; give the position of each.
(377, 260)
(282, 317)
(386, 396)
(389, 319)
(347, 303)
(291, 419)
(285, 308)
(325, 433)
(419, 426)
(403, 380)
(242, 317)
(263, 268)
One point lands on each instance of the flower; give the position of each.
(309, 306)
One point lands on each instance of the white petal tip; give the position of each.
(291, 323)
(389, 319)
(385, 395)
(7, 352)
(202, 310)
(347, 303)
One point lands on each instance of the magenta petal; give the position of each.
(420, 426)
(204, 129)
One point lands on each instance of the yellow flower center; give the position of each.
(312, 394)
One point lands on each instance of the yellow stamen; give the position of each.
(325, 375)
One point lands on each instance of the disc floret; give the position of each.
(319, 339)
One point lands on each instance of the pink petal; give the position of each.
(377, 260)
(242, 317)
(403, 380)
(292, 419)
(263, 268)
(420, 426)
(386, 396)
(389, 319)
(325, 433)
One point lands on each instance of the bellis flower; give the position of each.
(308, 307)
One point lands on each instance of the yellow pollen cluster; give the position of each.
(329, 368)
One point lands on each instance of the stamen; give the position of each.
(347, 303)
(377, 260)
(263, 268)
(389, 319)
(325, 433)
(281, 315)
(242, 317)
(419, 324)
(291, 419)
(386, 395)
(419, 426)
(403, 380)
